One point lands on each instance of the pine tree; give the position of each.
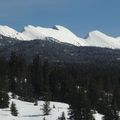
(111, 114)
(62, 117)
(36, 75)
(12, 71)
(4, 99)
(80, 114)
(46, 106)
(80, 107)
(35, 102)
(71, 113)
(13, 109)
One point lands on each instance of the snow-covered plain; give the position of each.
(27, 111)
(62, 34)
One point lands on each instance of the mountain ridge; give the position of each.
(61, 34)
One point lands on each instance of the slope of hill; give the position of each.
(55, 52)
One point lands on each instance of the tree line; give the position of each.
(87, 87)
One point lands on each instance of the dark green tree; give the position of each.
(111, 114)
(46, 106)
(12, 72)
(62, 117)
(80, 107)
(13, 109)
(4, 98)
(36, 76)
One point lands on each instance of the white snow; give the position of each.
(99, 39)
(30, 32)
(27, 111)
(62, 34)
(9, 32)
(98, 116)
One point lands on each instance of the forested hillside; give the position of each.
(85, 86)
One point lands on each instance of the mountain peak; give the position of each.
(59, 27)
(58, 32)
(99, 39)
(7, 31)
(96, 33)
(28, 27)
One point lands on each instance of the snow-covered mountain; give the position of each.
(99, 39)
(61, 34)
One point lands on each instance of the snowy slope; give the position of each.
(118, 38)
(61, 34)
(27, 111)
(99, 39)
(9, 32)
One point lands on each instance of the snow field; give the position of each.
(27, 111)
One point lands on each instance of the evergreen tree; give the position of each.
(111, 114)
(80, 107)
(46, 106)
(12, 71)
(94, 94)
(13, 109)
(80, 114)
(4, 99)
(62, 116)
(46, 76)
(35, 102)
(36, 76)
(71, 113)
(116, 97)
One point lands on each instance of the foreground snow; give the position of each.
(27, 111)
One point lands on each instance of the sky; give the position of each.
(80, 16)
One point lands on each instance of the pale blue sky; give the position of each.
(80, 16)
